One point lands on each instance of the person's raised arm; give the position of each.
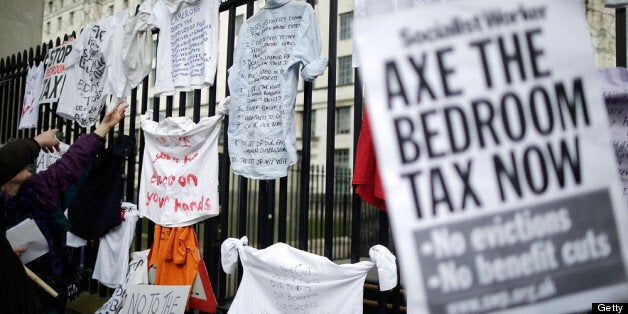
(111, 119)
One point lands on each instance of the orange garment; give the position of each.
(175, 251)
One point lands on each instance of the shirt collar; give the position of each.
(173, 5)
(272, 4)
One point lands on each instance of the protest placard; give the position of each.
(492, 136)
(155, 299)
(54, 75)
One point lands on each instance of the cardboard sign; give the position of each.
(499, 173)
(54, 76)
(155, 299)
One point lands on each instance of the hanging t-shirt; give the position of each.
(113, 250)
(87, 71)
(117, 83)
(282, 279)
(271, 46)
(366, 180)
(176, 254)
(179, 183)
(32, 89)
(56, 61)
(187, 50)
(137, 46)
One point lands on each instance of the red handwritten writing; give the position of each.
(27, 108)
(184, 141)
(187, 159)
(202, 204)
(157, 199)
(183, 180)
(165, 156)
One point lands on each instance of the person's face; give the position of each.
(21, 176)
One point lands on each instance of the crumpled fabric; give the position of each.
(281, 278)
(137, 46)
(386, 264)
(229, 253)
(173, 5)
(179, 185)
(614, 82)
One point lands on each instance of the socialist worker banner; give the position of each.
(492, 136)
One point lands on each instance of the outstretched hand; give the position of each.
(114, 115)
(111, 118)
(48, 141)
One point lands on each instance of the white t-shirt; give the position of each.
(179, 183)
(282, 279)
(83, 98)
(137, 46)
(113, 250)
(117, 82)
(187, 50)
(32, 89)
(271, 47)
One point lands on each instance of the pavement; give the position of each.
(85, 303)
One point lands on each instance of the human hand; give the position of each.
(48, 141)
(111, 119)
(19, 251)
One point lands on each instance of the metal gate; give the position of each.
(314, 208)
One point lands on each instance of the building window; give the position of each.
(341, 158)
(71, 18)
(59, 20)
(49, 6)
(239, 20)
(126, 4)
(313, 133)
(343, 120)
(346, 25)
(110, 10)
(48, 27)
(345, 71)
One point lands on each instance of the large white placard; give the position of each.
(499, 174)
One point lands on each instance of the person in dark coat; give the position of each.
(14, 156)
(38, 196)
(17, 154)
